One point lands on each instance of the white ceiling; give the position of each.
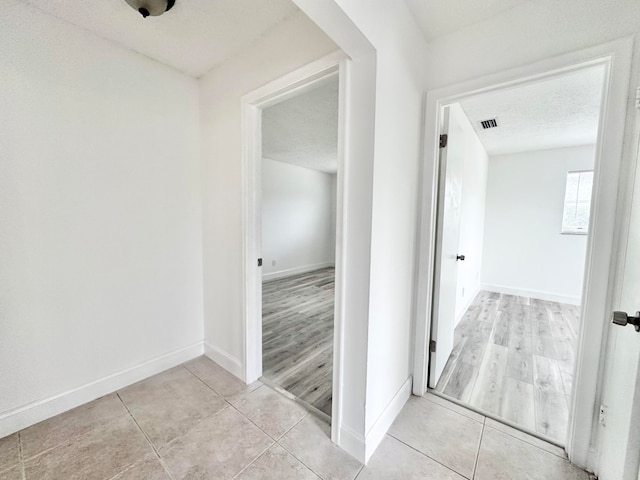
(303, 130)
(197, 35)
(194, 36)
(437, 18)
(555, 113)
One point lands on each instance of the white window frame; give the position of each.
(568, 230)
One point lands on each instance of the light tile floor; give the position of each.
(198, 422)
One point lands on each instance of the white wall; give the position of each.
(472, 213)
(524, 251)
(298, 219)
(292, 44)
(400, 62)
(100, 216)
(505, 40)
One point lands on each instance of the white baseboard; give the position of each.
(296, 271)
(353, 443)
(467, 305)
(362, 448)
(27, 415)
(540, 295)
(226, 361)
(383, 423)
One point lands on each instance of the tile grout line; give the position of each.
(475, 466)
(229, 404)
(291, 428)
(78, 437)
(218, 393)
(429, 457)
(174, 440)
(529, 443)
(454, 410)
(21, 457)
(204, 383)
(254, 460)
(153, 447)
(232, 405)
(296, 457)
(275, 442)
(359, 472)
(251, 421)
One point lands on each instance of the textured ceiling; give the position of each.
(437, 18)
(194, 36)
(303, 130)
(555, 113)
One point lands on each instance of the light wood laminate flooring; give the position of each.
(297, 335)
(513, 357)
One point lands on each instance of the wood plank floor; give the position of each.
(297, 335)
(513, 357)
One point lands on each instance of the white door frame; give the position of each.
(252, 104)
(600, 264)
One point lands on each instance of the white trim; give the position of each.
(226, 361)
(599, 271)
(296, 271)
(466, 307)
(251, 105)
(294, 83)
(539, 294)
(353, 443)
(22, 417)
(385, 420)
(344, 79)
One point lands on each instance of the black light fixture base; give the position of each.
(151, 8)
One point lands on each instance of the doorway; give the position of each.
(299, 178)
(513, 288)
(513, 223)
(271, 260)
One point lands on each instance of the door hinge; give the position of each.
(443, 140)
(432, 346)
(259, 262)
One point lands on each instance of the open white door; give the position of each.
(620, 434)
(447, 240)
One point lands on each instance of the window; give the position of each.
(577, 203)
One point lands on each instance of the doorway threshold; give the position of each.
(277, 388)
(494, 417)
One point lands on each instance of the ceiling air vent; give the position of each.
(491, 123)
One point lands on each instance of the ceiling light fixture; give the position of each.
(151, 7)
